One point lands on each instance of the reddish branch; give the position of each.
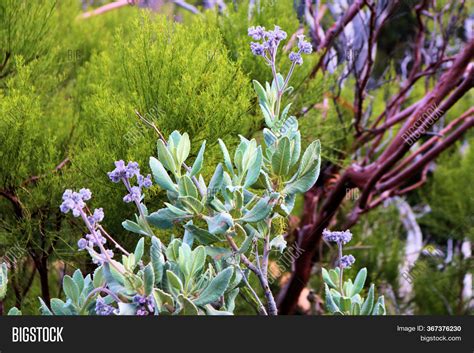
(389, 175)
(334, 31)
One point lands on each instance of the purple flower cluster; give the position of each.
(337, 236)
(304, 47)
(89, 241)
(346, 261)
(103, 309)
(145, 305)
(125, 173)
(268, 41)
(74, 201)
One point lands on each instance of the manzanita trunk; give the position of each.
(390, 172)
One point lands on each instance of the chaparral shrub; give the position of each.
(228, 225)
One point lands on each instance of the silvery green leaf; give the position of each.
(327, 278)
(58, 307)
(216, 180)
(249, 155)
(219, 223)
(261, 210)
(334, 274)
(239, 154)
(278, 243)
(246, 243)
(187, 306)
(369, 302)
(269, 137)
(216, 288)
(289, 203)
(267, 114)
(70, 289)
(281, 157)
(218, 253)
(262, 97)
(213, 312)
(359, 282)
(330, 304)
(182, 151)
(188, 237)
(303, 183)
(227, 160)
(98, 279)
(78, 279)
(285, 111)
(311, 158)
(14, 312)
(139, 249)
(44, 308)
(186, 187)
(355, 310)
(164, 218)
(172, 251)
(345, 304)
(281, 80)
(184, 258)
(173, 141)
(197, 166)
(149, 279)
(201, 235)
(133, 227)
(126, 309)
(230, 300)
(161, 175)
(379, 308)
(254, 170)
(165, 157)
(163, 300)
(296, 150)
(176, 285)
(198, 259)
(347, 286)
(115, 280)
(176, 210)
(157, 259)
(192, 204)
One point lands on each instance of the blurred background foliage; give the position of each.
(69, 90)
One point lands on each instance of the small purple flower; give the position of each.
(139, 299)
(296, 58)
(132, 169)
(278, 34)
(96, 217)
(257, 49)
(144, 182)
(100, 259)
(74, 201)
(304, 46)
(340, 237)
(270, 40)
(103, 309)
(92, 239)
(119, 172)
(135, 194)
(145, 305)
(256, 33)
(346, 261)
(82, 243)
(85, 194)
(142, 312)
